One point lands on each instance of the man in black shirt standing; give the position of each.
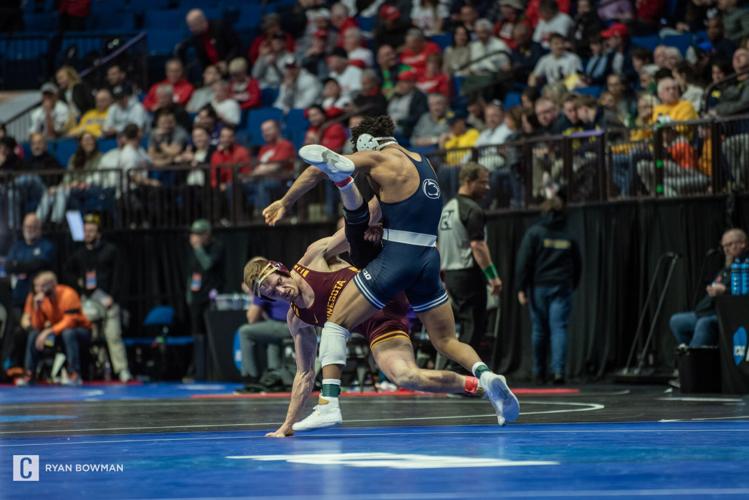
(464, 254)
(93, 270)
(205, 278)
(548, 270)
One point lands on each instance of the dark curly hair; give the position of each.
(376, 126)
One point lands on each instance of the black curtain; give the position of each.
(620, 242)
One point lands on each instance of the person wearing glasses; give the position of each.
(700, 327)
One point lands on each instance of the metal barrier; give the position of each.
(681, 159)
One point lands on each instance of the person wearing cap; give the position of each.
(299, 89)
(547, 271)
(124, 111)
(53, 117)
(214, 42)
(205, 278)
(347, 75)
(268, 69)
(615, 37)
(407, 104)
(551, 20)
(181, 88)
(391, 27)
(94, 271)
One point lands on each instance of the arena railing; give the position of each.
(32, 58)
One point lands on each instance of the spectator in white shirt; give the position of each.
(134, 157)
(204, 94)
(226, 108)
(490, 53)
(52, 118)
(124, 111)
(495, 134)
(347, 75)
(299, 89)
(557, 65)
(551, 21)
(352, 43)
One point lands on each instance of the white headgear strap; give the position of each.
(367, 142)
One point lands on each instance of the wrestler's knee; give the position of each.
(408, 378)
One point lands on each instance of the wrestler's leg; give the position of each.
(395, 357)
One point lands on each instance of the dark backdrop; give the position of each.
(620, 244)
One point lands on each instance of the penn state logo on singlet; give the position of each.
(431, 189)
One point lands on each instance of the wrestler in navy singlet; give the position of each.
(409, 260)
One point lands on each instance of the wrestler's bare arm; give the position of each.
(305, 347)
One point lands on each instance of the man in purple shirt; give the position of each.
(266, 325)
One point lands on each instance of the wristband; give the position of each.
(345, 182)
(490, 272)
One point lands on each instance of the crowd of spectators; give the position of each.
(447, 73)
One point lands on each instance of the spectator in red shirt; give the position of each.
(416, 51)
(276, 165)
(434, 81)
(531, 11)
(181, 88)
(228, 155)
(510, 16)
(271, 26)
(244, 90)
(332, 135)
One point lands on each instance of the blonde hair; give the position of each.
(71, 73)
(238, 64)
(252, 271)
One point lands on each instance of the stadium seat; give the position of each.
(162, 42)
(249, 17)
(511, 100)
(296, 125)
(681, 42)
(160, 20)
(43, 21)
(367, 24)
(159, 317)
(444, 40)
(268, 96)
(63, 149)
(649, 42)
(141, 6)
(594, 90)
(105, 21)
(106, 144)
(256, 118)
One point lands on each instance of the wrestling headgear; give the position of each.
(367, 142)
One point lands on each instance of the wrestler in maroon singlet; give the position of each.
(387, 323)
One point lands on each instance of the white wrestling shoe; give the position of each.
(503, 400)
(337, 167)
(325, 414)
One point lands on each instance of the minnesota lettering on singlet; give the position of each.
(327, 287)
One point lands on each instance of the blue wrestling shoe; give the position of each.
(337, 167)
(503, 400)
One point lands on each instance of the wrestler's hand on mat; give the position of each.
(373, 234)
(274, 212)
(282, 432)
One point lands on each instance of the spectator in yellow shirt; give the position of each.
(458, 141)
(672, 105)
(93, 120)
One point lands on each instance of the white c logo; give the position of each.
(431, 189)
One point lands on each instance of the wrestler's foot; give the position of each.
(503, 400)
(326, 414)
(337, 167)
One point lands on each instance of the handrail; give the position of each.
(97, 63)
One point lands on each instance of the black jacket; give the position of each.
(205, 272)
(227, 43)
(548, 255)
(90, 269)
